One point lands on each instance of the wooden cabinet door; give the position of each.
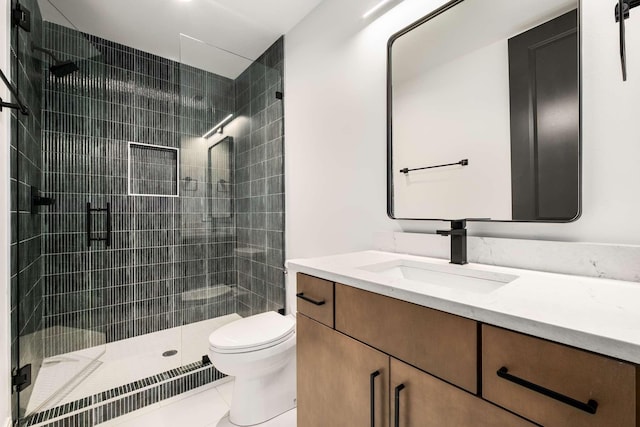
(335, 379)
(426, 401)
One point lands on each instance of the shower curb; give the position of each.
(105, 406)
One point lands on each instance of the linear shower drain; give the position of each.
(169, 353)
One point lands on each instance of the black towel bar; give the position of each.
(463, 162)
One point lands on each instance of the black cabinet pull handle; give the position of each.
(397, 409)
(372, 386)
(590, 407)
(302, 296)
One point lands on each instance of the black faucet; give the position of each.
(458, 235)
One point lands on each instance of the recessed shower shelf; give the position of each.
(153, 170)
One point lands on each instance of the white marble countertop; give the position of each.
(598, 315)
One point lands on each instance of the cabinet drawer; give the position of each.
(544, 381)
(439, 343)
(427, 401)
(315, 298)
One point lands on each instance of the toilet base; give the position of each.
(259, 399)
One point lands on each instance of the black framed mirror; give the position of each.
(484, 113)
(220, 179)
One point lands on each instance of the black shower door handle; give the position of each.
(89, 229)
(372, 392)
(89, 224)
(397, 408)
(108, 224)
(590, 407)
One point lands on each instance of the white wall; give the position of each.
(335, 131)
(5, 222)
(457, 110)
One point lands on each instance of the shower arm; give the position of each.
(18, 105)
(45, 51)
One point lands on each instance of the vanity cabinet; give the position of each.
(345, 383)
(444, 370)
(556, 385)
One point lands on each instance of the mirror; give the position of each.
(220, 179)
(484, 113)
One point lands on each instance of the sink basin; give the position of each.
(449, 276)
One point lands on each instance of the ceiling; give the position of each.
(221, 36)
(464, 29)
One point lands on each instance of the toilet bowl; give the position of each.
(260, 352)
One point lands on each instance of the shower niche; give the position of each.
(153, 170)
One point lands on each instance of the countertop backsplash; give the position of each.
(618, 262)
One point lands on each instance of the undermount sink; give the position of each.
(449, 276)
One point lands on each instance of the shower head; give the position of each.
(59, 68)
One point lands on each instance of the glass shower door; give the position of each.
(206, 291)
(58, 148)
(231, 214)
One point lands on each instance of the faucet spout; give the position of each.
(458, 235)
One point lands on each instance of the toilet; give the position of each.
(260, 352)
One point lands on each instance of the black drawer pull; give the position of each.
(311, 300)
(373, 396)
(590, 407)
(397, 409)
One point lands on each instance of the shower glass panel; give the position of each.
(232, 186)
(60, 149)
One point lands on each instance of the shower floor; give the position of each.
(68, 377)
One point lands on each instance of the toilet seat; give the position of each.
(252, 333)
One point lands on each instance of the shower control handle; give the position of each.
(302, 296)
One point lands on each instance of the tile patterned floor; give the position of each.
(207, 406)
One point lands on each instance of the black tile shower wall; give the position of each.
(169, 263)
(26, 237)
(260, 184)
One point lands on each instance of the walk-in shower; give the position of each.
(155, 236)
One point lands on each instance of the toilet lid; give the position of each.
(252, 333)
